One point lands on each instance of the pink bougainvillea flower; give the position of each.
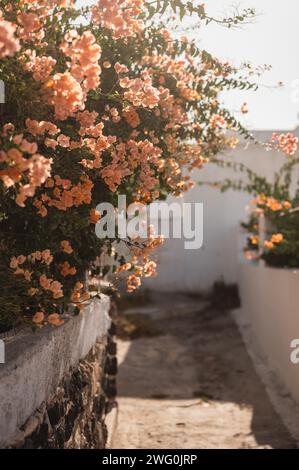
(287, 143)
(9, 44)
(64, 92)
(38, 318)
(54, 319)
(120, 16)
(66, 247)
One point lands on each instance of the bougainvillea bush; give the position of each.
(273, 222)
(100, 101)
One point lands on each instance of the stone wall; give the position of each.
(63, 380)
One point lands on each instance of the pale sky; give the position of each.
(271, 39)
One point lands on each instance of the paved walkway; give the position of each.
(192, 386)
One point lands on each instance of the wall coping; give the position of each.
(35, 363)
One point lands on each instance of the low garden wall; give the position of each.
(270, 303)
(57, 385)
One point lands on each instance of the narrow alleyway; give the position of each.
(188, 382)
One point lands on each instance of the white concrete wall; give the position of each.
(181, 269)
(35, 363)
(270, 299)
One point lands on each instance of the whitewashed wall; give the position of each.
(180, 269)
(270, 299)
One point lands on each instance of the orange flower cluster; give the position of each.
(276, 239)
(126, 158)
(42, 256)
(79, 296)
(41, 67)
(94, 216)
(9, 44)
(85, 54)
(131, 116)
(67, 270)
(64, 194)
(287, 143)
(21, 158)
(64, 92)
(119, 17)
(140, 91)
(50, 285)
(53, 319)
(25, 266)
(141, 265)
(271, 203)
(66, 247)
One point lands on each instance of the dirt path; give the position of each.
(194, 387)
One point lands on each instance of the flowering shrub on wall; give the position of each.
(278, 203)
(100, 101)
(275, 238)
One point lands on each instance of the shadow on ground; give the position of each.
(189, 382)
